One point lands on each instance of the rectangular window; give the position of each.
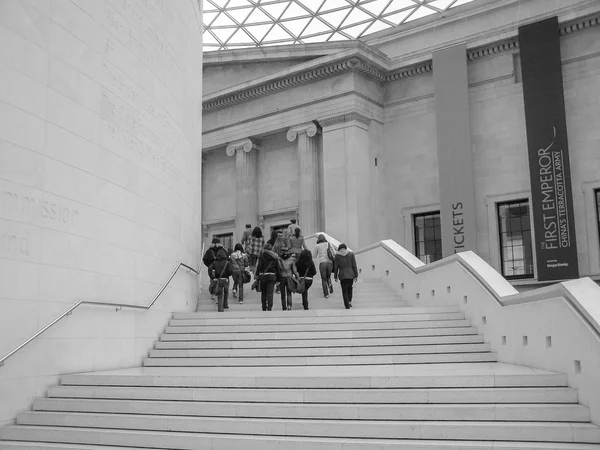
(514, 226)
(227, 241)
(428, 236)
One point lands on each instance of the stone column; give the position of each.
(347, 198)
(308, 176)
(246, 163)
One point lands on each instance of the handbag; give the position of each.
(256, 286)
(301, 288)
(330, 253)
(213, 288)
(246, 277)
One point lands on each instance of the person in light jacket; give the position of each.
(297, 243)
(325, 263)
(306, 269)
(344, 268)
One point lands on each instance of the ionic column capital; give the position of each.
(310, 128)
(246, 145)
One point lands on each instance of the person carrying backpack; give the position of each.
(220, 270)
(239, 262)
(211, 255)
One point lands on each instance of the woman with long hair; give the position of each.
(239, 262)
(324, 254)
(255, 246)
(268, 273)
(297, 243)
(306, 270)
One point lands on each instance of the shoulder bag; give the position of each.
(256, 286)
(213, 288)
(301, 288)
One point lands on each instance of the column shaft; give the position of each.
(247, 190)
(308, 184)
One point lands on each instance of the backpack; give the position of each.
(209, 257)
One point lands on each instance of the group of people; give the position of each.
(278, 265)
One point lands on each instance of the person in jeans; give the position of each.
(246, 235)
(325, 263)
(344, 268)
(306, 270)
(255, 246)
(288, 270)
(297, 243)
(220, 269)
(268, 271)
(239, 262)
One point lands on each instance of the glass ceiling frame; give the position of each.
(231, 24)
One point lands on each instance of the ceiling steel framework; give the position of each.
(230, 24)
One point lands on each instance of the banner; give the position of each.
(549, 168)
(455, 165)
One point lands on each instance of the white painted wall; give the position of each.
(100, 130)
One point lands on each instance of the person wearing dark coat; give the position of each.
(210, 255)
(307, 270)
(344, 268)
(220, 270)
(268, 271)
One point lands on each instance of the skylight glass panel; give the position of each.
(334, 4)
(239, 15)
(312, 5)
(207, 18)
(259, 31)
(244, 23)
(236, 3)
(356, 16)
(398, 18)
(316, 26)
(275, 10)
(375, 7)
(419, 13)
(295, 10)
(398, 5)
(295, 26)
(222, 21)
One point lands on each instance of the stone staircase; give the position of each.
(387, 377)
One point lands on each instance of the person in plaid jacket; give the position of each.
(255, 246)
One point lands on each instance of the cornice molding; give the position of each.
(374, 70)
(311, 75)
(246, 145)
(345, 117)
(310, 128)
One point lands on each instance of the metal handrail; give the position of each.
(118, 307)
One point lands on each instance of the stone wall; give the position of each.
(100, 133)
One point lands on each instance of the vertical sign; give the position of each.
(549, 168)
(455, 166)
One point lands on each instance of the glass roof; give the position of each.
(230, 24)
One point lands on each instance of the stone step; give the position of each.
(515, 395)
(321, 335)
(320, 360)
(462, 375)
(317, 312)
(320, 351)
(382, 429)
(84, 439)
(292, 327)
(316, 343)
(440, 412)
(302, 319)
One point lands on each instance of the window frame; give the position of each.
(414, 218)
(222, 235)
(498, 205)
